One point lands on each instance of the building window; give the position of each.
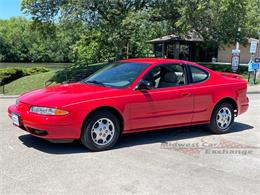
(170, 51)
(158, 49)
(184, 52)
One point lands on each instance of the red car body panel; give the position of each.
(140, 110)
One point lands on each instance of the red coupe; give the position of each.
(131, 96)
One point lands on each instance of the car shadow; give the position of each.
(128, 140)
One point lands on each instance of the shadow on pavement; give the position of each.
(52, 148)
(128, 140)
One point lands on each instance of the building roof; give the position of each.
(190, 37)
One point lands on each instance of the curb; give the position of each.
(255, 89)
(253, 92)
(9, 96)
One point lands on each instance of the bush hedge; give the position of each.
(226, 68)
(8, 75)
(75, 73)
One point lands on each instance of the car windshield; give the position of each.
(119, 74)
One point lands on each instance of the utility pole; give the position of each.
(238, 35)
(258, 52)
(258, 55)
(235, 58)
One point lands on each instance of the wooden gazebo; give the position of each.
(190, 47)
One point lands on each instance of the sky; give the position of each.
(9, 8)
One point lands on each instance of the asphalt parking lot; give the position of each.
(186, 160)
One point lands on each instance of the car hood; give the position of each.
(65, 94)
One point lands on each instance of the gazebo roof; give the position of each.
(189, 37)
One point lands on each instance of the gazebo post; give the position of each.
(163, 50)
(177, 50)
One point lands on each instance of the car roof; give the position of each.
(156, 60)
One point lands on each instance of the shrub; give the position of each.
(225, 68)
(75, 73)
(8, 75)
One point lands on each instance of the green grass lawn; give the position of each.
(28, 83)
(36, 81)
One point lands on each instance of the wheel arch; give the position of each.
(229, 100)
(106, 108)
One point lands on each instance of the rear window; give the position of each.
(198, 74)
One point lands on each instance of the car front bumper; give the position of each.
(47, 127)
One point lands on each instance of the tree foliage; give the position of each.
(20, 42)
(91, 31)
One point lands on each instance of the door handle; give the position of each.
(186, 94)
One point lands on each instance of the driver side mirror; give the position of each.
(145, 85)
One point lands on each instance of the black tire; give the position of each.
(214, 125)
(86, 134)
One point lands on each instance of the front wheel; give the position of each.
(222, 118)
(101, 131)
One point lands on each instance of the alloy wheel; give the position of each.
(103, 131)
(224, 118)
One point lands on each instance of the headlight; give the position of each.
(48, 111)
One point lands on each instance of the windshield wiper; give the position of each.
(95, 82)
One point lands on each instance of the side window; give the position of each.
(198, 74)
(168, 75)
(153, 76)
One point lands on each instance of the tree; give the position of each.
(253, 18)
(116, 29)
(215, 20)
(19, 42)
(115, 24)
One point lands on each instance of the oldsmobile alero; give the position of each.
(131, 96)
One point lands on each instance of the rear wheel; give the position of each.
(101, 131)
(222, 118)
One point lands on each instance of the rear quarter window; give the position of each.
(198, 74)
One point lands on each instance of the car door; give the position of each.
(168, 104)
